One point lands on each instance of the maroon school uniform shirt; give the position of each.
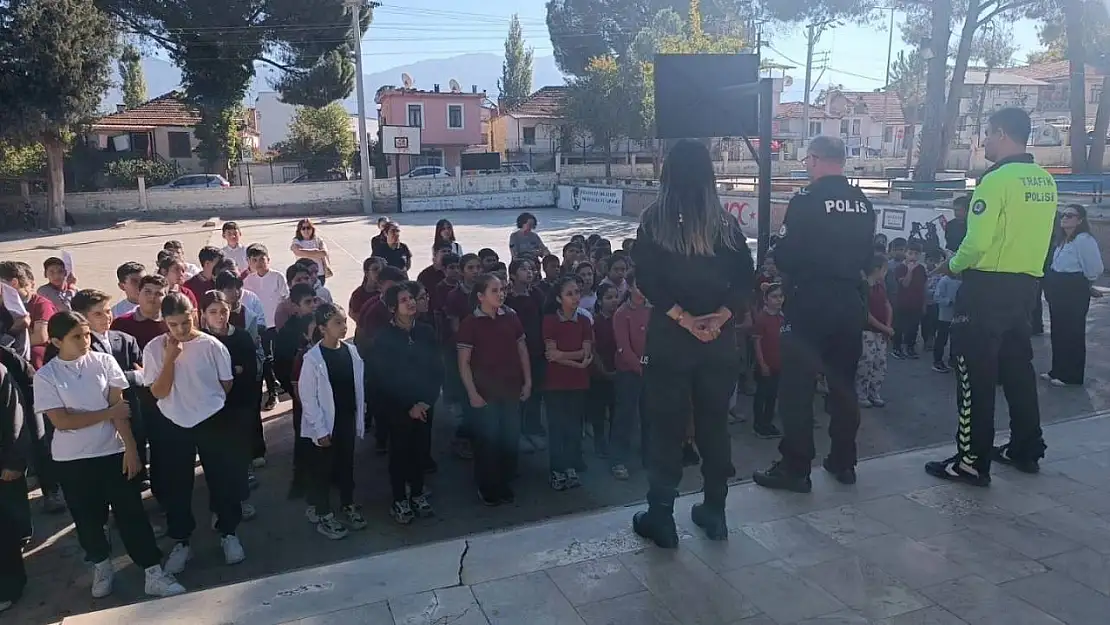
(359, 297)
(494, 359)
(144, 330)
(877, 303)
(430, 277)
(528, 307)
(437, 303)
(605, 341)
(374, 316)
(200, 285)
(769, 330)
(569, 335)
(911, 297)
(40, 309)
(457, 306)
(630, 329)
(190, 295)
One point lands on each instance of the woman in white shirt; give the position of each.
(307, 245)
(1068, 286)
(95, 456)
(190, 373)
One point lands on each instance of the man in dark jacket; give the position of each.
(19, 430)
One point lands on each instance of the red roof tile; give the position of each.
(547, 102)
(168, 109)
(796, 110)
(1052, 70)
(881, 106)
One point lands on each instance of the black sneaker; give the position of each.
(488, 500)
(844, 476)
(766, 431)
(776, 477)
(954, 469)
(690, 456)
(1002, 455)
(911, 353)
(940, 367)
(271, 402)
(507, 495)
(710, 520)
(659, 528)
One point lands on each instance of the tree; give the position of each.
(132, 80)
(907, 80)
(599, 103)
(516, 71)
(57, 63)
(320, 138)
(330, 79)
(823, 95)
(993, 47)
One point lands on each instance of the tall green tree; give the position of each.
(320, 138)
(516, 70)
(132, 80)
(907, 81)
(993, 48)
(56, 60)
(598, 103)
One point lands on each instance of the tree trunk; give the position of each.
(955, 88)
(932, 127)
(910, 139)
(979, 108)
(1102, 126)
(1077, 88)
(55, 180)
(608, 158)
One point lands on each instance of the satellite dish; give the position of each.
(406, 80)
(454, 84)
(787, 81)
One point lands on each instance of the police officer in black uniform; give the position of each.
(824, 248)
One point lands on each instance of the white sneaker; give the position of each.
(175, 562)
(310, 514)
(331, 528)
(102, 579)
(161, 584)
(249, 511)
(352, 516)
(233, 549)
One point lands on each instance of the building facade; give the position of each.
(451, 123)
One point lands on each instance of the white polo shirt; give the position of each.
(270, 289)
(196, 393)
(80, 385)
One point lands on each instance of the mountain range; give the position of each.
(482, 70)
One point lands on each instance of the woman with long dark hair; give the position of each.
(445, 233)
(693, 264)
(306, 244)
(1075, 263)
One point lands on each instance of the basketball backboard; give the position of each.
(401, 140)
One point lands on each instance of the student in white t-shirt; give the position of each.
(95, 456)
(235, 250)
(271, 288)
(190, 373)
(13, 302)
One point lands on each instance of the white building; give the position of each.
(1001, 90)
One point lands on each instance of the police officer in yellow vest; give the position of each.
(1009, 227)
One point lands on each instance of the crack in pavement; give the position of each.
(462, 562)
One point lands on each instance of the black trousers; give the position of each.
(219, 443)
(531, 411)
(302, 447)
(14, 514)
(906, 323)
(92, 486)
(42, 461)
(671, 389)
(268, 336)
(940, 341)
(409, 449)
(601, 402)
(331, 466)
(1069, 300)
(627, 417)
(991, 341)
(929, 323)
(565, 412)
(496, 437)
(766, 394)
(824, 334)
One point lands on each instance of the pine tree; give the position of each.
(516, 71)
(132, 80)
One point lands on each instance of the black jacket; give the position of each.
(245, 386)
(405, 367)
(827, 235)
(20, 429)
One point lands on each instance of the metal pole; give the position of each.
(766, 104)
(886, 85)
(811, 41)
(363, 140)
(397, 170)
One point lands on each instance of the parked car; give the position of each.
(516, 168)
(429, 171)
(196, 181)
(320, 176)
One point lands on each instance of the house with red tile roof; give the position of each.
(160, 128)
(1054, 97)
(870, 123)
(532, 126)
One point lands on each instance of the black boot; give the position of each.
(777, 477)
(657, 525)
(711, 519)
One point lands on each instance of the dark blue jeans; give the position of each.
(565, 411)
(496, 440)
(627, 416)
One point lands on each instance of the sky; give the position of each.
(405, 31)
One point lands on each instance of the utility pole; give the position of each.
(363, 141)
(886, 87)
(811, 41)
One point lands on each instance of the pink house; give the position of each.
(452, 122)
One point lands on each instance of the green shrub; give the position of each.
(125, 173)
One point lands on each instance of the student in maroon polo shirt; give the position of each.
(433, 274)
(205, 281)
(456, 308)
(527, 301)
(767, 330)
(371, 267)
(601, 399)
(496, 373)
(374, 316)
(145, 322)
(568, 342)
(172, 268)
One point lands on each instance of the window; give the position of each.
(888, 134)
(416, 115)
(180, 145)
(815, 128)
(454, 116)
(856, 124)
(1096, 94)
(843, 126)
(529, 135)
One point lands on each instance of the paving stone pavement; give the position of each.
(919, 413)
(898, 548)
